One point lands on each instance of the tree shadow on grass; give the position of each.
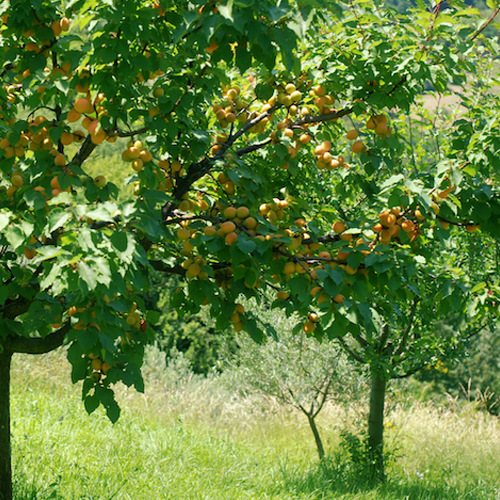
(337, 477)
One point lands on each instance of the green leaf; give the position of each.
(354, 259)
(479, 286)
(119, 240)
(4, 221)
(226, 11)
(15, 236)
(48, 252)
(246, 245)
(264, 91)
(91, 403)
(243, 58)
(87, 274)
(87, 339)
(57, 219)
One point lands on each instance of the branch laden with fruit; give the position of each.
(316, 176)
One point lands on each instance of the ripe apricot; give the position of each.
(358, 147)
(17, 180)
(250, 223)
(193, 270)
(66, 138)
(183, 234)
(309, 327)
(352, 134)
(83, 105)
(73, 115)
(230, 213)
(339, 298)
(64, 24)
(56, 28)
(338, 227)
(228, 226)
(29, 253)
(231, 238)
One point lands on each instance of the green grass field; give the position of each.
(190, 438)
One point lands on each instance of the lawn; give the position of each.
(192, 438)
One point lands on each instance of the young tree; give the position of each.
(271, 146)
(295, 369)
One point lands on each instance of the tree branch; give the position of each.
(349, 351)
(26, 345)
(409, 326)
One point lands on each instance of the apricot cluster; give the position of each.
(231, 108)
(274, 210)
(137, 155)
(325, 159)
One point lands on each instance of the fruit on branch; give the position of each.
(100, 181)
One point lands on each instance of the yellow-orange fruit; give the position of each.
(64, 24)
(29, 253)
(66, 138)
(338, 227)
(358, 147)
(60, 160)
(193, 270)
(183, 234)
(339, 298)
(309, 327)
(231, 238)
(230, 213)
(17, 180)
(313, 317)
(407, 226)
(228, 226)
(352, 134)
(210, 230)
(282, 295)
(73, 115)
(83, 105)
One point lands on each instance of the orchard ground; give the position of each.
(189, 437)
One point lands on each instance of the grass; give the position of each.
(190, 438)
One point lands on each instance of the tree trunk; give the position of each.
(5, 456)
(376, 427)
(317, 438)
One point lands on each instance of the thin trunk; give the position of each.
(317, 438)
(5, 456)
(376, 427)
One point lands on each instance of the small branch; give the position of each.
(485, 25)
(349, 351)
(408, 329)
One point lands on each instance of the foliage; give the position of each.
(271, 148)
(193, 334)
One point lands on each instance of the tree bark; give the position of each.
(5, 455)
(376, 427)
(10, 345)
(317, 438)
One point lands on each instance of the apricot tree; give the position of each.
(274, 148)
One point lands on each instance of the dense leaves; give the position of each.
(274, 149)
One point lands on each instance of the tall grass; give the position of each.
(190, 437)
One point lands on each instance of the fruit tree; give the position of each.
(276, 149)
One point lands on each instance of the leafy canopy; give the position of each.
(275, 148)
